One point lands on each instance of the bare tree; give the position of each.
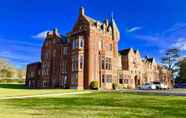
(170, 60)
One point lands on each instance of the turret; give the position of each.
(115, 30)
(115, 35)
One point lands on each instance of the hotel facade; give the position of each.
(90, 53)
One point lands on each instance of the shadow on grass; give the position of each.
(13, 86)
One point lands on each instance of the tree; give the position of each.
(182, 73)
(21, 73)
(3, 64)
(3, 67)
(170, 60)
(7, 71)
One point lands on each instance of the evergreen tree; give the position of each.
(182, 73)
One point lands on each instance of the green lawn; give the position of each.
(94, 105)
(7, 90)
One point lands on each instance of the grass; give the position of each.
(7, 90)
(95, 105)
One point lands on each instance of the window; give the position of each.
(46, 55)
(73, 44)
(65, 79)
(54, 52)
(65, 50)
(126, 81)
(109, 78)
(103, 78)
(45, 68)
(110, 65)
(65, 67)
(81, 41)
(121, 81)
(44, 84)
(74, 79)
(107, 64)
(31, 74)
(81, 61)
(74, 63)
(76, 43)
(120, 76)
(103, 63)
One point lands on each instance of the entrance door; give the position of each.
(137, 81)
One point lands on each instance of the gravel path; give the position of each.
(174, 92)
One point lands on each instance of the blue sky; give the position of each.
(150, 26)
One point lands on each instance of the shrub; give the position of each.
(94, 85)
(114, 86)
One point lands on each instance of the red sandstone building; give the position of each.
(90, 53)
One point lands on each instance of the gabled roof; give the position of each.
(34, 64)
(111, 24)
(91, 20)
(125, 51)
(150, 60)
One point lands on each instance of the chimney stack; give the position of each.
(82, 11)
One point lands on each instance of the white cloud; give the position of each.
(180, 43)
(41, 35)
(162, 51)
(133, 29)
(173, 37)
(147, 37)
